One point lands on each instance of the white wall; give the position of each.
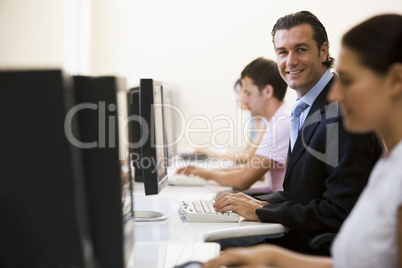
(200, 47)
(197, 48)
(31, 34)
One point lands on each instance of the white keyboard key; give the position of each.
(205, 207)
(203, 211)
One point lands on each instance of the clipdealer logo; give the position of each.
(102, 112)
(330, 156)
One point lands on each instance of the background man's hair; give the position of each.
(263, 72)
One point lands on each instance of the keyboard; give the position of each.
(186, 180)
(204, 211)
(193, 156)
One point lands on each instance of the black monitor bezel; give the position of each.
(153, 183)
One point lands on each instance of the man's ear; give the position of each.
(324, 52)
(394, 78)
(268, 91)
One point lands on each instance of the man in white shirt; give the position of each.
(264, 92)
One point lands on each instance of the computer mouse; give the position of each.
(190, 264)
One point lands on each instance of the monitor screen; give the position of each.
(159, 130)
(153, 161)
(170, 124)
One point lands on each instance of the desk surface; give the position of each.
(176, 231)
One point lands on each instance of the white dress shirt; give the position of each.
(313, 93)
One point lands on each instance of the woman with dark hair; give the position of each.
(369, 90)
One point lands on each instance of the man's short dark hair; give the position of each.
(265, 72)
(305, 17)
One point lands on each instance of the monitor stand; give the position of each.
(144, 216)
(149, 216)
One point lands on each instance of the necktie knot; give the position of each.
(299, 107)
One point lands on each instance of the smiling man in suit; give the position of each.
(327, 166)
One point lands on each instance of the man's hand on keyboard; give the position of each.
(240, 203)
(186, 170)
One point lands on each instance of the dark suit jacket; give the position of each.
(325, 175)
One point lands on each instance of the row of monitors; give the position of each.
(63, 199)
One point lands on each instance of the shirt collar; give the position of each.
(313, 93)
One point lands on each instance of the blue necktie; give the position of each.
(295, 121)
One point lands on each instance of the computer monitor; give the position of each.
(110, 194)
(147, 142)
(39, 225)
(52, 212)
(153, 161)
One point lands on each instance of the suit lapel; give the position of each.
(312, 121)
